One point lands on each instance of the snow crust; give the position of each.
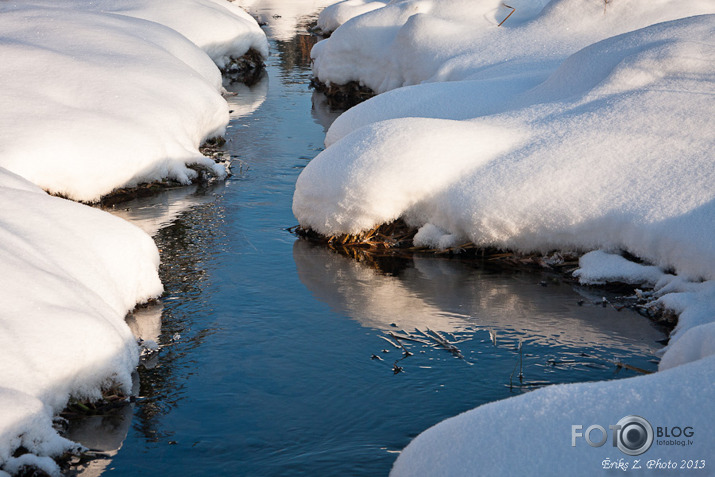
(70, 275)
(110, 100)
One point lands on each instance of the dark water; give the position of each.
(265, 365)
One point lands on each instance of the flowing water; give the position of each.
(272, 355)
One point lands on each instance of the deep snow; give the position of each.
(411, 41)
(110, 100)
(70, 275)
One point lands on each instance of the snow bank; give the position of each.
(412, 41)
(531, 434)
(91, 101)
(608, 149)
(335, 15)
(694, 302)
(281, 17)
(616, 155)
(232, 30)
(70, 274)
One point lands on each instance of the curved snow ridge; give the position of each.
(70, 275)
(94, 101)
(476, 442)
(332, 16)
(413, 41)
(219, 27)
(385, 169)
(621, 160)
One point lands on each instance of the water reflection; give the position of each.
(104, 434)
(244, 100)
(453, 296)
(256, 375)
(282, 18)
(145, 322)
(323, 113)
(151, 214)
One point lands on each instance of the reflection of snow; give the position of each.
(322, 112)
(151, 214)
(446, 295)
(133, 101)
(103, 433)
(282, 16)
(145, 322)
(246, 99)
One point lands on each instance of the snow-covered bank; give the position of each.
(331, 17)
(93, 96)
(70, 275)
(219, 27)
(531, 434)
(411, 41)
(614, 150)
(94, 99)
(534, 146)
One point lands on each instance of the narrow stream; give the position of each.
(272, 358)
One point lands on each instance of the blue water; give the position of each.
(266, 364)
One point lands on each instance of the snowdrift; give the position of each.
(70, 275)
(92, 100)
(614, 150)
(408, 42)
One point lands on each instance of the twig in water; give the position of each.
(519, 363)
(405, 350)
(406, 337)
(619, 364)
(391, 342)
(444, 343)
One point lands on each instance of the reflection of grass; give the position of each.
(387, 247)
